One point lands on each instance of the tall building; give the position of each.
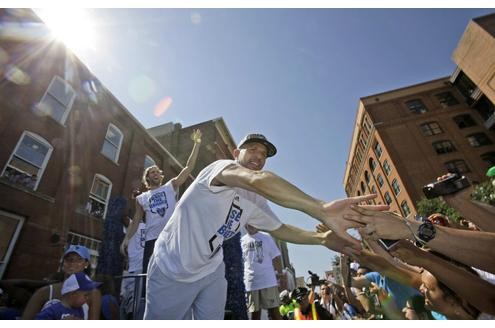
(405, 138)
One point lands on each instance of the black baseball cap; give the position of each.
(258, 137)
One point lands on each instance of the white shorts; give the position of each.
(266, 298)
(168, 299)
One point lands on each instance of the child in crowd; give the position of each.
(75, 291)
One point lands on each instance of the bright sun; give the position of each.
(73, 26)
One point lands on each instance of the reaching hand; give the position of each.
(387, 225)
(339, 216)
(406, 251)
(336, 243)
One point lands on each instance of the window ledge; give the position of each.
(81, 210)
(26, 190)
(109, 159)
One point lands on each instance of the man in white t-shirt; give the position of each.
(262, 265)
(186, 274)
(158, 203)
(135, 250)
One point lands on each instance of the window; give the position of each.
(405, 209)
(478, 139)
(378, 150)
(112, 143)
(456, 166)
(443, 147)
(416, 106)
(57, 100)
(363, 190)
(99, 196)
(373, 189)
(379, 178)
(489, 158)
(372, 163)
(367, 177)
(28, 161)
(93, 245)
(464, 121)
(148, 161)
(430, 128)
(386, 167)
(10, 227)
(395, 187)
(446, 99)
(387, 197)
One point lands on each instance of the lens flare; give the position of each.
(162, 106)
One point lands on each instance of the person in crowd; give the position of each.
(226, 195)
(262, 265)
(325, 300)
(75, 259)
(75, 293)
(135, 251)
(287, 305)
(308, 309)
(415, 309)
(158, 203)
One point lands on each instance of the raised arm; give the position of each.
(283, 193)
(191, 161)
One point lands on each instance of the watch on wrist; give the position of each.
(426, 232)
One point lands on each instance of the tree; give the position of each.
(484, 192)
(426, 207)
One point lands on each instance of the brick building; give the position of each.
(405, 138)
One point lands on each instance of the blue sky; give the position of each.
(295, 75)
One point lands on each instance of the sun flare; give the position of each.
(72, 26)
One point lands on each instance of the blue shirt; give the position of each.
(400, 293)
(58, 311)
(438, 316)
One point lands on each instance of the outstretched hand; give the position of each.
(339, 216)
(378, 224)
(336, 243)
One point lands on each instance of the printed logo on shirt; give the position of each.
(228, 229)
(257, 248)
(158, 203)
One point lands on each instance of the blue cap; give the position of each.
(78, 249)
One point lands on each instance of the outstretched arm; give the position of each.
(191, 162)
(473, 248)
(483, 215)
(283, 193)
(468, 286)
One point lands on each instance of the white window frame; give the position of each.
(119, 146)
(69, 105)
(150, 159)
(45, 160)
(91, 195)
(13, 240)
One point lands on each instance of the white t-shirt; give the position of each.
(190, 246)
(158, 204)
(258, 251)
(135, 248)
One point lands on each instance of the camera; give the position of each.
(315, 279)
(452, 184)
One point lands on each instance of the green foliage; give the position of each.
(484, 192)
(426, 207)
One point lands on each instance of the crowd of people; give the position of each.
(391, 267)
